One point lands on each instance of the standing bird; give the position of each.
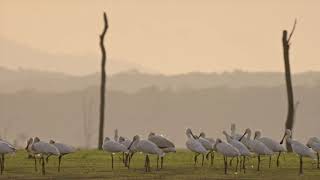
(227, 150)
(234, 135)
(209, 148)
(314, 143)
(243, 150)
(194, 145)
(257, 147)
(147, 147)
(247, 141)
(298, 148)
(63, 149)
(42, 149)
(273, 145)
(163, 143)
(127, 142)
(113, 147)
(5, 148)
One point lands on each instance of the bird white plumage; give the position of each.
(270, 143)
(113, 146)
(63, 148)
(162, 142)
(193, 144)
(298, 148)
(147, 147)
(243, 150)
(227, 150)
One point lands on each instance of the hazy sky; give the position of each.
(168, 36)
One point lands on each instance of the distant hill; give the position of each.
(133, 80)
(60, 115)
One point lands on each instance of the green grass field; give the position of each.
(97, 165)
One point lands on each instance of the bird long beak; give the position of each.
(243, 136)
(194, 137)
(281, 142)
(131, 144)
(255, 136)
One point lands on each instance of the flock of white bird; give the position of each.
(236, 146)
(242, 146)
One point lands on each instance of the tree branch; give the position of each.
(294, 27)
(105, 25)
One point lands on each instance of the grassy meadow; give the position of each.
(93, 164)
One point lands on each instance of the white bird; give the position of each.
(63, 149)
(273, 145)
(247, 141)
(126, 142)
(298, 148)
(234, 135)
(209, 148)
(113, 147)
(227, 150)
(42, 149)
(256, 146)
(194, 145)
(163, 143)
(314, 145)
(147, 147)
(314, 139)
(5, 148)
(243, 150)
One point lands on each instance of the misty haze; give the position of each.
(170, 66)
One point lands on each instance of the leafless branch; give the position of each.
(292, 31)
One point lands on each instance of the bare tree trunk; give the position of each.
(103, 81)
(290, 115)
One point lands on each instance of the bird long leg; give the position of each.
(237, 164)
(195, 158)
(202, 159)
(270, 161)
(59, 163)
(35, 163)
(212, 157)
(278, 162)
(226, 165)
(145, 163)
(157, 162)
(123, 157)
(47, 159)
(258, 163)
(161, 163)
(43, 166)
(1, 165)
(244, 164)
(240, 167)
(149, 166)
(318, 160)
(301, 164)
(230, 163)
(112, 161)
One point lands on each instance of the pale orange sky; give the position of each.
(167, 36)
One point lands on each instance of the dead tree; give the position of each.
(103, 81)
(286, 46)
